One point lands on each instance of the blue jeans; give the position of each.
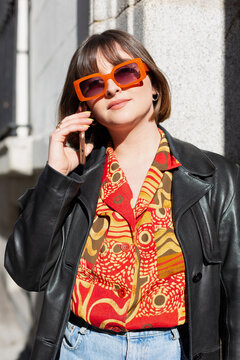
(82, 343)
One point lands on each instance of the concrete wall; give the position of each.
(186, 39)
(53, 39)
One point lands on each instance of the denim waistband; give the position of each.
(78, 321)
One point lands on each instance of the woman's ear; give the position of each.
(154, 91)
(155, 95)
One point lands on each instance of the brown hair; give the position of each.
(84, 62)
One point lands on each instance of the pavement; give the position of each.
(15, 317)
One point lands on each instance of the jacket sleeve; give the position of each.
(35, 244)
(229, 236)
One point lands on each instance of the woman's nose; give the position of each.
(112, 88)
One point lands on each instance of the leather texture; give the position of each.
(44, 249)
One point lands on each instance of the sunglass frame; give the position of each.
(143, 68)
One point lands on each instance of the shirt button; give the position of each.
(121, 293)
(124, 247)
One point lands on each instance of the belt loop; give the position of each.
(175, 334)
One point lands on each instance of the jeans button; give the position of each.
(197, 277)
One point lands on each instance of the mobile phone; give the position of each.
(82, 156)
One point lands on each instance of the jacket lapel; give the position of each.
(92, 177)
(190, 182)
(186, 190)
(80, 220)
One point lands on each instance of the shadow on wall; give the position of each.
(82, 20)
(232, 80)
(138, 22)
(131, 19)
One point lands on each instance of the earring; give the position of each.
(94, 123)
(155, 97)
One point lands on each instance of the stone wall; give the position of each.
(186, 39)
(195, 43)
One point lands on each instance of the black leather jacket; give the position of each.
(44, 250)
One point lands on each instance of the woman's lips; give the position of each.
(117, 104)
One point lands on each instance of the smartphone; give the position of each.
(82, 156)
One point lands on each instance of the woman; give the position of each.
(138, 250)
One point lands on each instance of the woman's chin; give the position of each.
(120, 124)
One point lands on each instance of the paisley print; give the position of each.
(132, 273)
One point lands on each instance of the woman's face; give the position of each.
(122, 108)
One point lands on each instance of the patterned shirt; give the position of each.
(132, 274)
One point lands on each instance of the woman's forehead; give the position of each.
(105, 65)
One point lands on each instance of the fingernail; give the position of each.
(86, 126)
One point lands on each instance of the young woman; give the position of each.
(138, 250)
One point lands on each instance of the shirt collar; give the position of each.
(115, 191)
(164, 159)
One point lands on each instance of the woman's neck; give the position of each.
(141, 143)
(135, 152)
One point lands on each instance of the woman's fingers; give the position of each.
(61, 157)
(77, 122)
(81, 116)
(72, 123)
(60, 135)
(66, 130)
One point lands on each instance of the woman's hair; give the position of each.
(84, 62)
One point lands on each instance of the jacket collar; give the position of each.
(188, 183)
(193, 160)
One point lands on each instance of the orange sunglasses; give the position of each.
(124, 75)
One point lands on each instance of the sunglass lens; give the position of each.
(92, 87)
(127, 74)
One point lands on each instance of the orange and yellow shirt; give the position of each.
(132, 274)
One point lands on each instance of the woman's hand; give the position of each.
(60, 156)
